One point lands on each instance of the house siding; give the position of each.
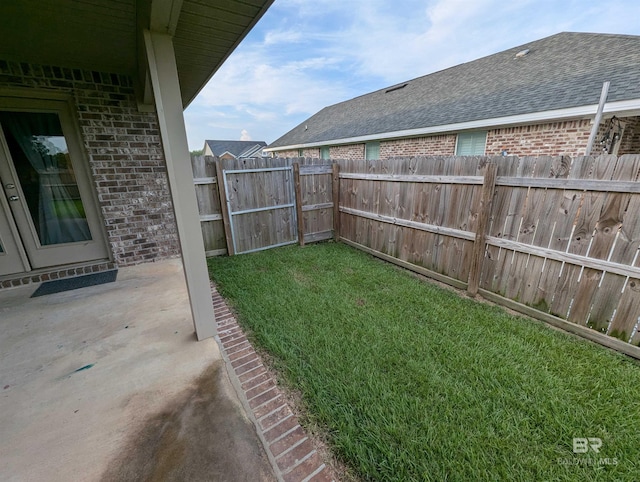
(125, 156)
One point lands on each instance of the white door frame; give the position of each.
(95, 249)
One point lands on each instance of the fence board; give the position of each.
(208, 199)
(495, 256)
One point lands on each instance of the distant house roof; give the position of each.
(238, 149)
(553, 78)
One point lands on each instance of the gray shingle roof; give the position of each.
(562, 71)
(237, 148)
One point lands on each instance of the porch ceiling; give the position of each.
(104, 34)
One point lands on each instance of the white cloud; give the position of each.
(303, 56)
(244, 135)
(277, 37)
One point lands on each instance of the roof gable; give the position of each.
(562, 71)
(235, 148)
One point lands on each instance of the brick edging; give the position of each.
(290, 449)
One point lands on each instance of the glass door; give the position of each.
(46, 186)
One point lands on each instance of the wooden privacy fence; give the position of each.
(556, 238)
(253, 204)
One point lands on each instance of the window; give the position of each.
(372, 151)
(471, 143)
(300, 153)
(324, 152)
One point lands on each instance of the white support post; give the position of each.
(166, 90)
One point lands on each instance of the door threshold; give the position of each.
(55, 272)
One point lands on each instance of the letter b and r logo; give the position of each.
(582, 445)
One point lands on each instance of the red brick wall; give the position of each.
(442, 145)
(313, 152)
(559, 138)
(125, 157)
(351, 151)
(567, 138)
(631, 137)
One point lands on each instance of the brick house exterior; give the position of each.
(505, 99)
(568, 138)
(126, 160)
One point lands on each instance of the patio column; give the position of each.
(168, 101)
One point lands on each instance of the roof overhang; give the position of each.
(107, 35)
(626, 107)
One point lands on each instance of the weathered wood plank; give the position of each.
(204, 180)
(573, 184)
(335, 199)
(584, 222)
(510, 267)
(494, 256)
(480, 242)
(225, 209)
(320, 236)
(431, 228)
(315, 170)
(298, 192)
(565, 257)
(315, 207)
(413, 178)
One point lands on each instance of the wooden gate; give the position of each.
(261, 206)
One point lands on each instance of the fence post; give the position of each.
(335, 186)
(479, 245)
(224, 207)
(298, 190)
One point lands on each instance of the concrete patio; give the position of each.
(108, 383)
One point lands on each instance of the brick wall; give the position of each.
(567, 138)
(630, 143)
(559, 138)
(125, 156)
(351, 151)
(443, 145)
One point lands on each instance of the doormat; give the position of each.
(68, 284)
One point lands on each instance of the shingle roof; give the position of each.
(237, 148)
(562, 71)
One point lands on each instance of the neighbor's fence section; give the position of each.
(253, 204)
(553, 237)
(205, 179)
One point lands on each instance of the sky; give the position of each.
(304, 55)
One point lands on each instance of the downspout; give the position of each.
(596, 122)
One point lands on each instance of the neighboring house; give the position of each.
(536, 99)
(94, 161)
(234, 149)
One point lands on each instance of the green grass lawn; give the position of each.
(410, 381)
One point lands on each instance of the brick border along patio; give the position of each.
(291, 451)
